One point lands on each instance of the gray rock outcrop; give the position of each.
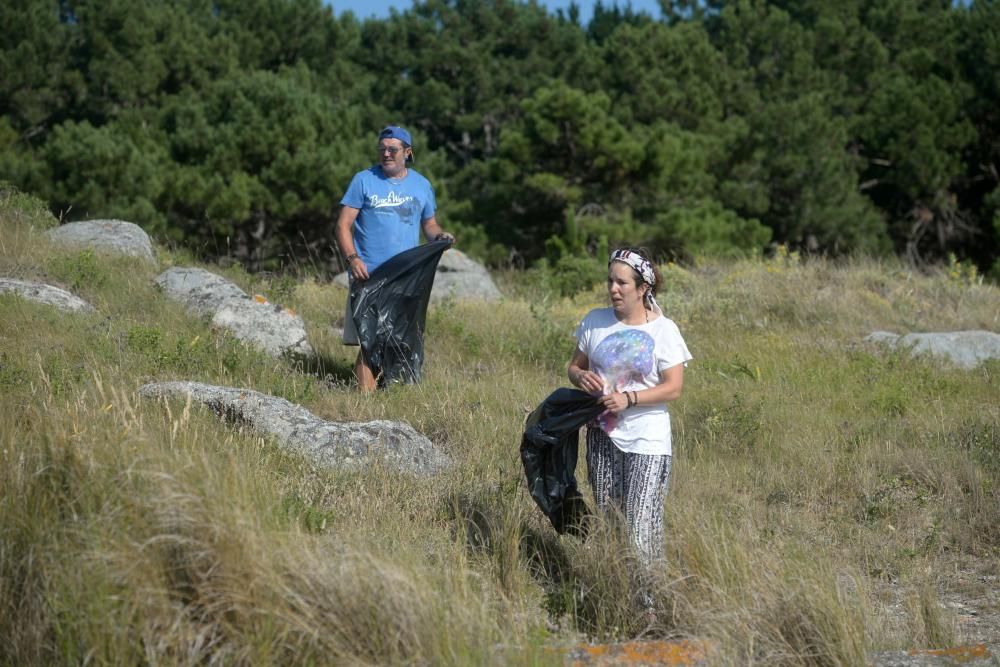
(335, 444)
(112, 236)
(458, 276)
(461, 277)
(267, 326)
(47, 294)
(966, 349)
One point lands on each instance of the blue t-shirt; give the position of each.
(390, 212)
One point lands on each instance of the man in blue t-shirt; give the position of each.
(382, 213)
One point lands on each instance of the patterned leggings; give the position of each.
(634, 484)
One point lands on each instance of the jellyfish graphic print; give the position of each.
(622, 359)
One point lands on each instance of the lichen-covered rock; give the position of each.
(113, 236)
(346, 445)
(966, 349)
(667, 652)
(47, 294)
(202, 292)
(267, 326)
(458, 276)
(272, 328)
(979, 654)
(692, 653)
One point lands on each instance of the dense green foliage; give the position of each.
(233, 126)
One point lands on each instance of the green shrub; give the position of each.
(570, 275)
(11, 374)
(21, 208)
(144, 339)
(981, 439)
(82, 270)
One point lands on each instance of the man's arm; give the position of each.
(344, 233)
(432, 230)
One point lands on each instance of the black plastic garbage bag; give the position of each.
(390, 309)
(549, 451)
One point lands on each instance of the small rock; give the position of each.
(348, 445)
(47, 294)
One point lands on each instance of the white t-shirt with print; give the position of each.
(630, 358)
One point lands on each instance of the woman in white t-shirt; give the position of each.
(634, 357)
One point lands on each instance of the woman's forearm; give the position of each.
(670, 387)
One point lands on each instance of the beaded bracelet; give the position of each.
(350, 258)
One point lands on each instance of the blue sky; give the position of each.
(380, 8)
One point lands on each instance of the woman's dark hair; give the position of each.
(642, 252)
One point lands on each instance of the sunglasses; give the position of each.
(391, 150)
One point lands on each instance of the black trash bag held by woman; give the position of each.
(390, 309)
(549, 449)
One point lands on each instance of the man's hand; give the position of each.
(445, 236)
(358, 269)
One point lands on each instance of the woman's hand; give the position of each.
(589, 381)
(615, 402)
(581, 376)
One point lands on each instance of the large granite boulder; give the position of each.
(275, 330)
(347, 445)
(47, 294)
(966, 349)
(458, 276)
(112, 236)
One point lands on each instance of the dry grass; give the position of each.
(822, 490)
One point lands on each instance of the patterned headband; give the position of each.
(642, 265)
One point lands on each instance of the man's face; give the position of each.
(392, 156)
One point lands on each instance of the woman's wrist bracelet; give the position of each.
(628, 400)
(350, 258)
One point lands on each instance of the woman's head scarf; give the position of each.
(643, 267)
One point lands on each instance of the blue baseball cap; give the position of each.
(396, 132)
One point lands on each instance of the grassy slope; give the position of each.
(817, 482)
